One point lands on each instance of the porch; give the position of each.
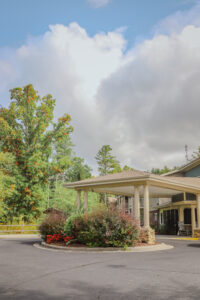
(178, 218)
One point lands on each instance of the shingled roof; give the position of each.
(128, 177)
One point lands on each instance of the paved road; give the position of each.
(27, 273)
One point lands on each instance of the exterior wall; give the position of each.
(195, 172)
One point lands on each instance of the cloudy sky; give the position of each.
(127, 71)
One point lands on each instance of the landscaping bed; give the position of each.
(103, 227)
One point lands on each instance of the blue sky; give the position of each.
(21, 18)
(127, 72)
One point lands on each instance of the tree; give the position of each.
(107, 163)
(28, 132)
(196, 154)
(7, 183)
(158, 171)
(62, 157)
(62, 153)
(78, 170)
(127, 168)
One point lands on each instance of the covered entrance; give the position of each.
(139, 184)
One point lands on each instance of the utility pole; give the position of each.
(186, 153)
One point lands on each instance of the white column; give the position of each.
(85, 200)
(198, 211)
(193, 219)
(78, 199)
(123, 204)
(146, 206)
(136, 212)
(181, 215)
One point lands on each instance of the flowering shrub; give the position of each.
(58, 237)
(102, 227)
(53, 224)
(68, 239)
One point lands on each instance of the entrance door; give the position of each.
(171, 221)
(187, 216)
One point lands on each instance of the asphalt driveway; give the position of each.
(27, 273)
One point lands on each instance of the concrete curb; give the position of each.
(149, 248)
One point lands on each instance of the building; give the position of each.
(142, 188)
(177, 214)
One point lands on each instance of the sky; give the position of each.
(127, 71)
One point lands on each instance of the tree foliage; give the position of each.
(62, 153)
(78, 170)
(127, 168)
(107, 163)
(7, 180)
(28, 132)
(158, 171)
(7, 183)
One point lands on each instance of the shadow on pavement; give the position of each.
(28, 242)
(194, 245)
(84, 291)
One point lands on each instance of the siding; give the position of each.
(195, 172)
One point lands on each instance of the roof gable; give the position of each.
(185, 168)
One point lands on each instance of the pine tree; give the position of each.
(107, 163)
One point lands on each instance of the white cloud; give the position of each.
(98, 3)
(68, 63)
(144, 103)
(176, 22)
(152, 103)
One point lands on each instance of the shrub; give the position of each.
(102, 227)
(52, 224)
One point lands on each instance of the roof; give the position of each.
(186, 167)
(113, 182)
(112, 177)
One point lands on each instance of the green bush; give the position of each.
(52, 224)
(102, 227)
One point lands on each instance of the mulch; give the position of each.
(82, 246)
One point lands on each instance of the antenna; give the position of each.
(186, 153)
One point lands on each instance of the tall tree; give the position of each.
(28, 132)
(62, 155)
(7, 184)
(107, 163)
(78, 170)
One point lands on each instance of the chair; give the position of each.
(181, 229)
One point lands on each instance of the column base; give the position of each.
(196, 233)
(147, 235)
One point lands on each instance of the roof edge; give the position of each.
(187, 167)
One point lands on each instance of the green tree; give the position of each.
(62, 153)
(196, 154)
(78, 170)
(7, 184)
(7, 180)
(158, 171)
(127, 168)
(107, 163)
(28, 132)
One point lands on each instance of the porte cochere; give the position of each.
(139, 185)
